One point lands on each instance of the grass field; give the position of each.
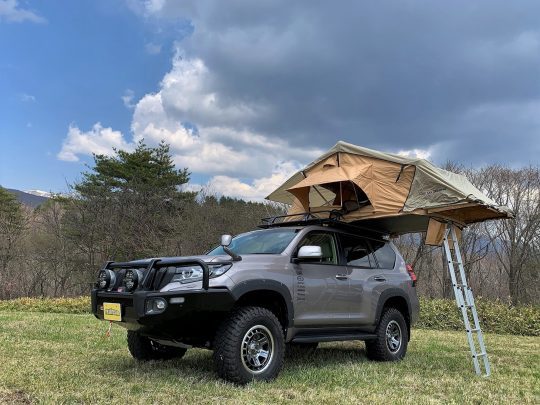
(65, 358)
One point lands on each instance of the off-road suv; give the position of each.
(262, 293)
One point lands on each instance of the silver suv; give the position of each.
(262, 294)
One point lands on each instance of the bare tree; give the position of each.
(12, 226)
(515, 241)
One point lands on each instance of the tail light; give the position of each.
(412, 274)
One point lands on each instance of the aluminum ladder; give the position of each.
(465, 300)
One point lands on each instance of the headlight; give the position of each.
(132, 279)
(190, 274)
(106, 279)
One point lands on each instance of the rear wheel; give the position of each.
(145, 349)
(392, 337)
(249, 345)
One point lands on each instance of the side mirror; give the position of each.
(226, 240)
(309, 253)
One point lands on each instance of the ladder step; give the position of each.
(461, 285)
(480, 354)
(474, 330)
(468, 306)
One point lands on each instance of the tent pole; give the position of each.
(355, 192)
(320, 194)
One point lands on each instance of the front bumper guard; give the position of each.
(134, 304)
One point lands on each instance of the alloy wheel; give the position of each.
(393, 336)
(257, 349)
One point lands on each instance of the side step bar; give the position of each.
(328, 337)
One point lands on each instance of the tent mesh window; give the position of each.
(347, 195)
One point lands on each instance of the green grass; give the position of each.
(66, 358)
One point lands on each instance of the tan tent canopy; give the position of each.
(383, 190)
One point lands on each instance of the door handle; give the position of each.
(342, 276)
(379, 278)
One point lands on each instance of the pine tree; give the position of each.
(126, 206)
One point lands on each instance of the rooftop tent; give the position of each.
(392, 193)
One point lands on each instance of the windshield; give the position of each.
(269, 241)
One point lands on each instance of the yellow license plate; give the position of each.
(112, 312)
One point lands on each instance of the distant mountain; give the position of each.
(29, 198)
(39, 193)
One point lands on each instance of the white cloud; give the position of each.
(98, 140)
(127, 98)
(11, 12)
(27, 98)
(188, 94)
(221, 143)
(415, 153)
(210, 149)
(204, 134)
(254, 190)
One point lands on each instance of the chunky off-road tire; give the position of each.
(300, 349)
(145, 349)
(241, 342)
(392, 337)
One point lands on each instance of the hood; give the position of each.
(205, 258)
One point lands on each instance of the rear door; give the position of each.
(366, 279)
(321, 288)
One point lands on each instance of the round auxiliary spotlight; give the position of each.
(132, 279)
(106, 279)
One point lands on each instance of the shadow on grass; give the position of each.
(326, 356)
(195, 364)
(198, 365)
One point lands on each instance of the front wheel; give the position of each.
(145, 349)
(249, 345)
(392, 337)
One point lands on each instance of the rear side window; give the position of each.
(357, 251)
(386, 257)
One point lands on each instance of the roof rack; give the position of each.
(309, 218)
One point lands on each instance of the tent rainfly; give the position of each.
(384, 191)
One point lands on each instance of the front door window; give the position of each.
(327, 244)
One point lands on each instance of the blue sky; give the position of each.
(248, 92)
(72, 68)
